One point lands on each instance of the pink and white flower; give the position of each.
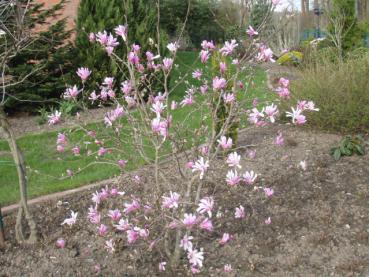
(219, 83)
(195, 257)
(202, 166)
(186, 243)
(83, 73)
(102, 230)
(131, 207)
(121, 30)
(225, 238)
(225, 143)
(271, 112)
(204, 56)
(173, 47)
(227, 268)
(232, 178)
(239, 212)
(197, 74)
(123, 225)
(162, 266)
(228, 47)
(268, 192)
(54, 118)
(279, 140)
(109, 246)
(115, 215)
(207, 225)
(167, 64)
(249, 177)
(206, 205)
(251, 32)
(297, 117)
(189, 220)
(72, 220)
(171, 201)
(60, 243)
(229, 98)
(233, 160)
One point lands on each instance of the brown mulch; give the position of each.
(320, 223)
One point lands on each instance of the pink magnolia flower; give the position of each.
(235, 62)
(83, 73)
(189, 165)
(283, 92)
(173, 47)
(229, 98)
(265, 54)
(240, 212)
(132, 236)
(297, 117)
(187, 100)
(60, 243)
(284, 82)
(307, 105)
(225, 238)
(54, 118)
(121, 30)
(206, 205)
(202, 166)
(115, 215)
(189, 220)
(208, 45)
(227, 268)
(233, 160)
(72, 220)
(111, 41)
(95, 218)
(136, 48)
(123, 225)
(268, 221)
(219, 83)
(149, 56)
(102, 230)
(222, 67)
(131, 207)
(122, 163)
(171, 201)
(232, 178)
(173, 105)
(195, 270)
(255, 116)
(249, 177)
(71, 93)
(91, 37)
(268, 192)
(271, 112)
(207, 225)
(76, 150)
(186, 243)
(204, 89)
(143, 233)
(133, 58)
(96, 198)
(109, 82)
(131, 102)
(93, 97)
(279, 140)
(197, 74)
(225, 143)
(102, 38)
(204, 56)
(61, 139)
(228, 47)
(167, 64)
(109, 246)
(104, 193)
(69, 172)
(195, 257)
(162, 266)
(102, 151)
(251, 32)
(60, 148)
(158, 108)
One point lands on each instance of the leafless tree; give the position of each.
(14, 38)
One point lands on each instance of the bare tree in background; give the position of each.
(15, 36)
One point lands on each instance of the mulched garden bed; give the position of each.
(320, 222)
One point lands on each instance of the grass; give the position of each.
(39, 150)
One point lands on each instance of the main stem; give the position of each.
(21, 170)
(2, 232)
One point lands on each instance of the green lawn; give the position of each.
(40, 154)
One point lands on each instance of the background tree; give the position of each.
(17, 23)
(95, 16)
(49, 53)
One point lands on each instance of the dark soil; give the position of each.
(320, 223)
